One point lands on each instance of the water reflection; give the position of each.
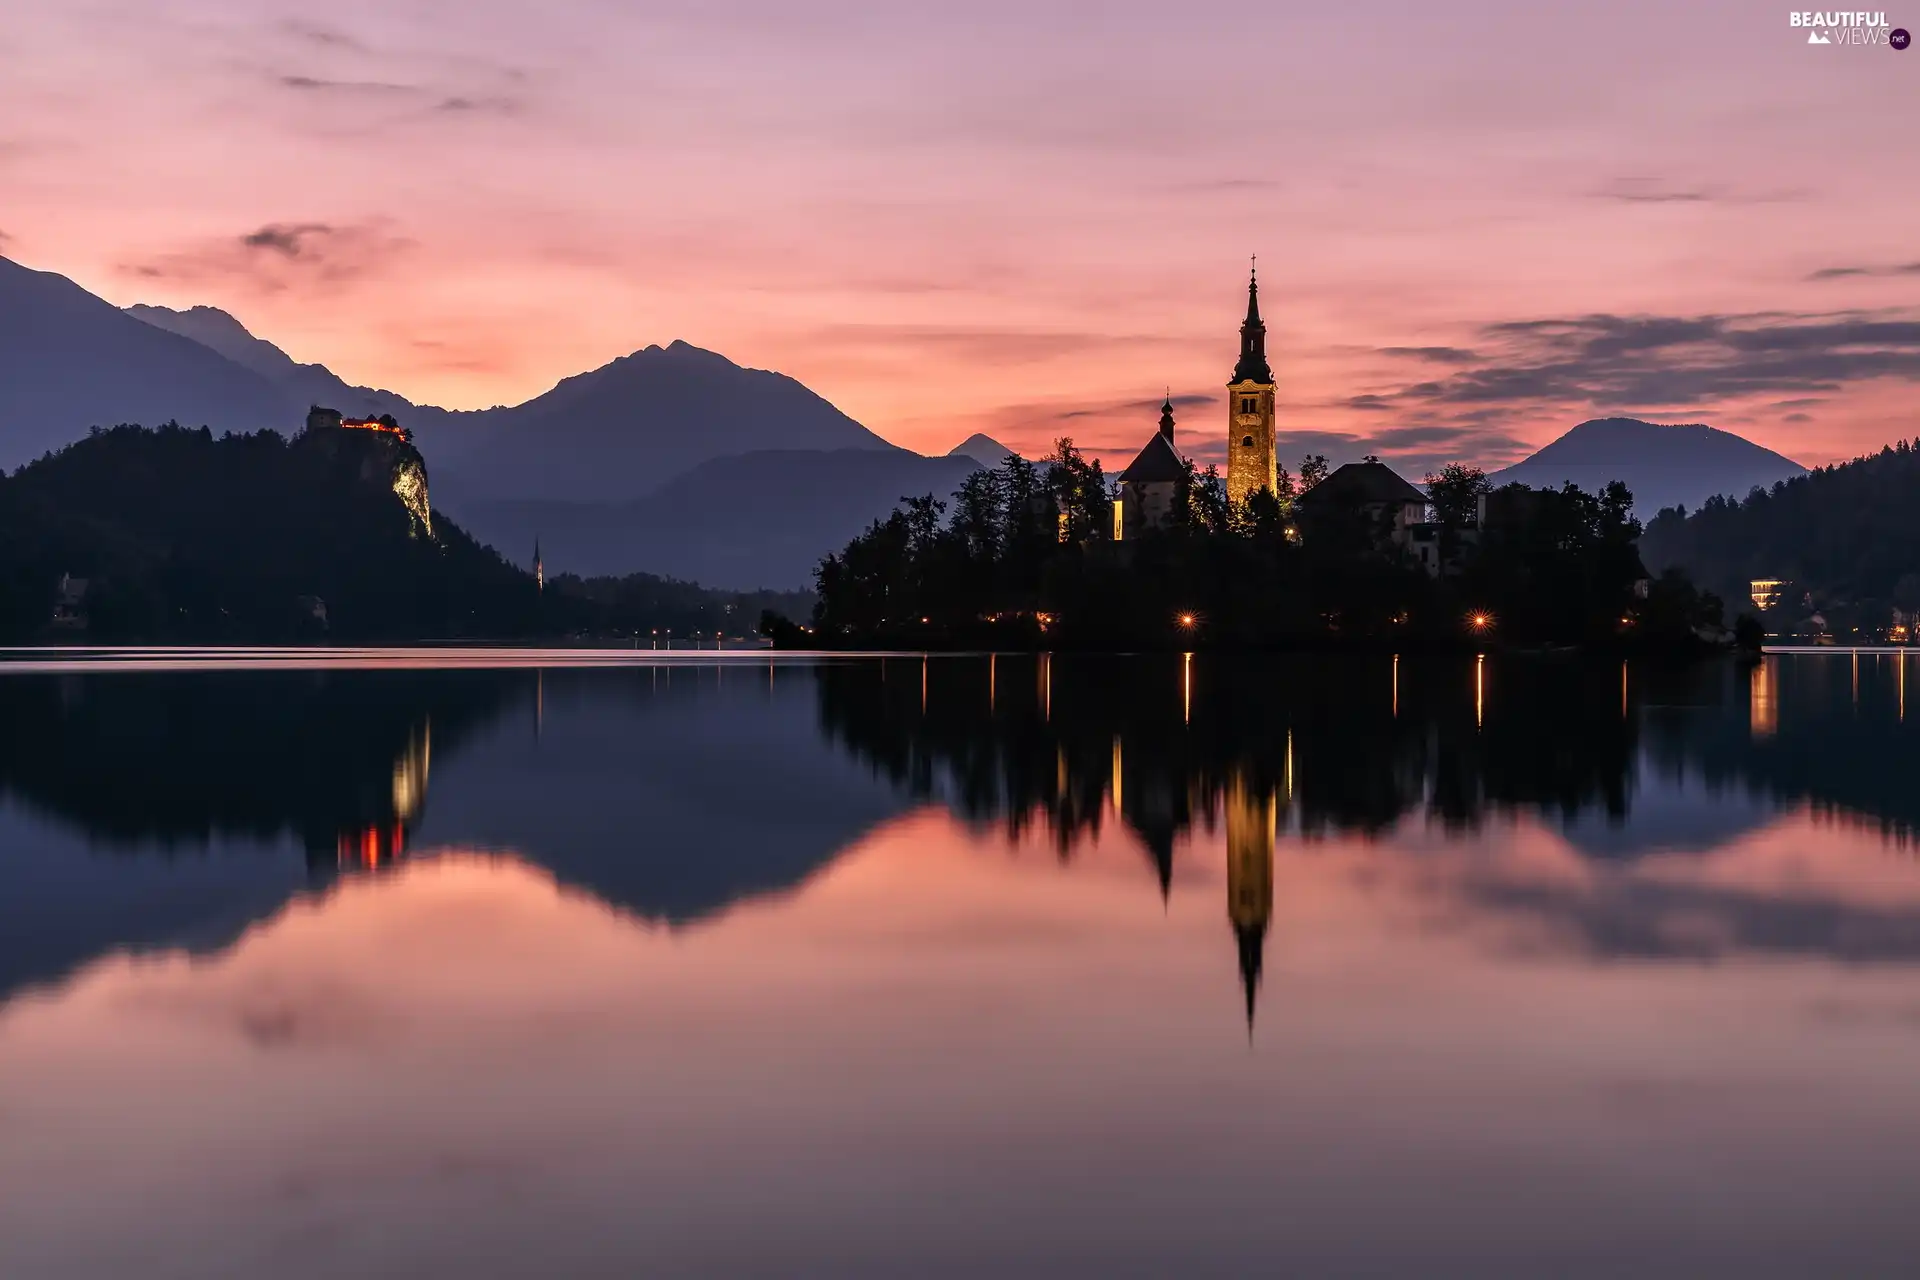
(949, 966)
(671, 792)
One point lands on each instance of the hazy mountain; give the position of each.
(982, 448)
(307, 383)
(70, 361)
(760, 519)
(671, 460)
(1664, 466)
(628, 427)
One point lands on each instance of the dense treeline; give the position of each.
(1024, 555)
(1843, 540)
(182, 536)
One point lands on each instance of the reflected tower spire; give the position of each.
(1250, 827)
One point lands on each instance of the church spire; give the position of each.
(1166, 416)
(1253, 366)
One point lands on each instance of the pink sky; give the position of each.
(1026, 219)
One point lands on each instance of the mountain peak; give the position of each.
(631, 425)
(220, 331)
(70, 361)
(1663, 465)
(982, 448)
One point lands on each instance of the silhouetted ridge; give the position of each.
(1841, 541)
(1664, 466)
(70, 361)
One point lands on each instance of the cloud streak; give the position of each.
(1650, 362)
(1843, 273)
(280, 257)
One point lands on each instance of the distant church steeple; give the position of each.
(1251, 465)
(1166, 416)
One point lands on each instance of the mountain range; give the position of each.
(671, 460)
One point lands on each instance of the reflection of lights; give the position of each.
(1186, 688)
(410, 773)
(1763, 699)
(1396, 686)
(371, 847)
(1479, 690)
(991, 660)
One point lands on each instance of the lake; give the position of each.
(496, 965)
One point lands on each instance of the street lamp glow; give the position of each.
(1480, 621)
(1187, 621)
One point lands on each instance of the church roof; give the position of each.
(1360, 483)
(1154, 464)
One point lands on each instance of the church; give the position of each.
(1147, 487)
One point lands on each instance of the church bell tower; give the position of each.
(1250, 461)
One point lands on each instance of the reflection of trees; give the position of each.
(1164, 743)
(341, 761)
(1343, 744)
(1834, 731)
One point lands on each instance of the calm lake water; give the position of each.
(959, 966)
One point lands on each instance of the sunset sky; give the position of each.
(1477, 223)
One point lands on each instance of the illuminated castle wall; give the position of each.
(408, 473)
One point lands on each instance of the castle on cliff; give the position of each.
(394, 462)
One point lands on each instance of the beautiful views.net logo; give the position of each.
(1850, 28)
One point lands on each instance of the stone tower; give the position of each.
(1250, 830)
(1250, 462)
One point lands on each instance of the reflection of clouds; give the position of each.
(1630, 917)
(1761, 895)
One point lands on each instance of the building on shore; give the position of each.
(1371, 493)
(1147, 488)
